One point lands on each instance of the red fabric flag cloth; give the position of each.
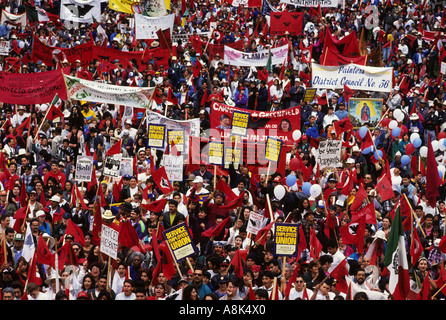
(442, 245)
(165, 265)
(97, 224)
(315, 245)
(343, 125)
(76, 232)
(348, 93)
(115, 149)
(432, 176)
(164, 38)
(227, 191)
(353, 233)
(33, 272)
(155, 206)
(237, 262)
(196, 68)
(339, 273)
(416, 247)
(235, 203)
(128, 236)
(66, 256)
(384, 188)
(54, 112)
(360, 196)
(368, 211)
(215, 230)
(43, 253)
(292, 280)
(261, 235)
(282, 21)
(162, 181)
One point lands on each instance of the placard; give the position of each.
(109, 241)
(84, 168)
(156, 135)
(216, 155)
(112, 166)
(255, 223)
(272, 149)
(4, 48)
(286, 237)
(329, 153)
(240, 122)
(180, 242)
(177, 136)
(233, 154)
(174, 167)
(126, 167)
(310, 93)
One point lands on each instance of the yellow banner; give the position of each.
(124, 6)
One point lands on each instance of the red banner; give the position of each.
(214, 48)
(32, 88)
(112, 54)
(50, 55)
(286, 21)
(331, 58)
(275, 124)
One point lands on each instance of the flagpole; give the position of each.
(413, 213)
(148, 106)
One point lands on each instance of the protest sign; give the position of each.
(356, 77)
(329, 153)
(177, 137)
(4, 48)
(277, 124)
(310, 93)
(239, 123)
(109, 241)
(285, 239)
(126, 167)
(272, 149)
(216, 153)
(174, 167)
(82, 11)
(156, 135)
(255, 223)
(84, 168)
(237, 58)
(14, 19)
(180, 242)
(32, 88)
(112, 165)
(93, 91)
(146, 27)
(232, 154)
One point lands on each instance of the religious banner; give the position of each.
(329, 154)
(82, 11)
(14, 19)
(180, 241)
(356, 77)
(364, 110)
(146, 27)
(278, 124)
(93, 91)
(313, 3)
(32, 88)
(257, 59)
(286, 21)
(286, 237)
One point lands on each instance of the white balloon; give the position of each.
(296, 135)
(435, 145)
(441, 145)
(400, 118)
(315, 190)
(397, 113)
(414, 136)
(393, 124)
(442, 168)
(279, 191)
(21, 44)
(423, 151)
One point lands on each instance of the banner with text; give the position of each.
(356, 77)
(146, 27)
(180, 241)
(286, 237)
(84, 168)
(258, 59)
(329, 153)
(31, 88)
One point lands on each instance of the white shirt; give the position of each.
(122, 296)
(294, 294)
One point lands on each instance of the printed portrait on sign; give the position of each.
(362, 111)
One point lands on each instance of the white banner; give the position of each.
(82, 11)
(109, 241)
(16, 19)
(256, 59)
(146, 27)
(84, 168)
(354, 76)
(80, 89)
(174, 167)
(190, 127)
(255, 223)
(4, 48)
(313, 3)
(329, 153)
(112, 166)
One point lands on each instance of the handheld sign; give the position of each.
(180, 242)
(177, 136)
(329, 153)
(156, 134)
(285, 239)
(84, 168)
(112, 165)
(216, 153)
(109, 241)
(255, 223)
(240, 121)
(272, 149)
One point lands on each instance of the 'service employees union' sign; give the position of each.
(356, 77)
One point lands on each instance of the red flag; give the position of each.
(432, 176)
(164, 38)
(223, 187)
(23, 195)
(235, 203)
(368, 211)
(292, 280)
(384, 188)
(237, 262)
(115, 149)
(43, 253)
(425, 293)
(339, 273)
(348, 93)
(416, 247)
(353, 233)
(261, 235)
(33, 272)
(97, 224)
(196, 68)
(66, 256)
(162, 181)
(215, 230)
(343, 125)
(315, 245)
(360, 196)
(54, 112)
(155, 206)
(76, 232)
(128, 236)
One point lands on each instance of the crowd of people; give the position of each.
(38, 163)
